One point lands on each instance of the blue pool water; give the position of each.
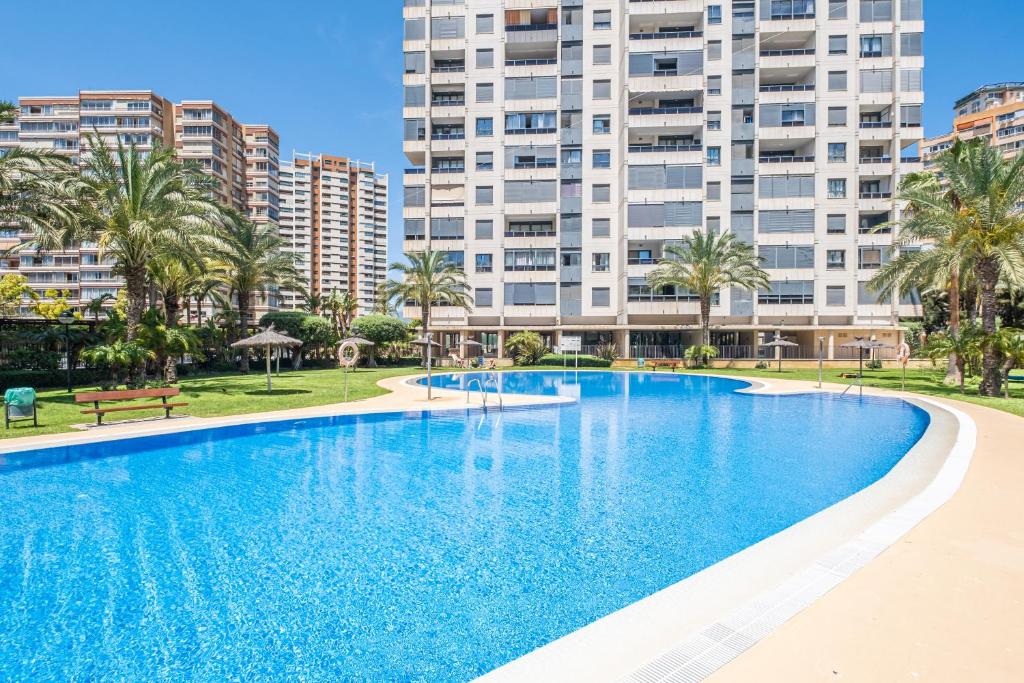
(408, 547)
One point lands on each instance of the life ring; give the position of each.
(903, 353)
(348, 354)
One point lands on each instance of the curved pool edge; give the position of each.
(694, 627)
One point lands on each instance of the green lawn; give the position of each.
(928, 382)
(212, 395)
(234, 394)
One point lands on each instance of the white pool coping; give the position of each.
(689, 630)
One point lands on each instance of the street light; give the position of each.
(66, 318)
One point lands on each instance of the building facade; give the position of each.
(243, 159)
(334, 216)
(557, 148)
(993, 112)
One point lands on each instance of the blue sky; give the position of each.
(327, 73)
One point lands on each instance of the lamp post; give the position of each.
(821, 355)
(66, 318)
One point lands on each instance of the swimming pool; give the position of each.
(408, 546)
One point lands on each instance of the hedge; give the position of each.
(49, 379)
(570, 360)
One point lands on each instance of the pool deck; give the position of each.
(941, 603)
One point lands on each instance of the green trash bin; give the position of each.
(20, 404)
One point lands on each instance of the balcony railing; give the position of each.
(527, 268)
(794, 159)
(448, 169)
(447, 103)
(448, 136)
(875, 195)
(448, 69)
(641, 261)
(793, 52)
(531, 27)
(876, 124)
(530, 233)
(530, 62)
(790, 16)
(910, 160)
(666, 148)
(651, 111)
(535, 164)
(789, 87)
(528, 131)
(415, 171)
(665, 35)
(876, 160)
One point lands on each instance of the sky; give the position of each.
(327, 74)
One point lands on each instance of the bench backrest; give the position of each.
(90, 396)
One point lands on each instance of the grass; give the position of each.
(215, 395)
(234, 394)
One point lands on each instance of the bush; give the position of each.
(700, 355)
(43, 379)
(873, 364)
(570, 360)
(762, 365)
(607, 351)
(382, 330)
(313, 331)
(525, 348)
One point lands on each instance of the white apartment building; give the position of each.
(243, 158)
(556, 149)
(334, 216)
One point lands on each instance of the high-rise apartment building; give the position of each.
(557, 149)
(334, 217)
(993, 112)
(243, 158)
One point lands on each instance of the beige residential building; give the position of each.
(557, 148)
(243, 158)
(993, 112)
(334, 216)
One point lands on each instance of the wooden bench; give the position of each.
(848, 375)
(655, 364)
(95, 397)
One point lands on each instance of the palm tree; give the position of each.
(138, 207)
(342, 308)
(207, 285)
(962, 345)
(252, 259)
(38, 190)
(1011, 346)
(429, 279)
(705, 263)
(975, 224)
(95, 306)
(312, 302)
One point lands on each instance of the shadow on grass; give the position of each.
(277, 392)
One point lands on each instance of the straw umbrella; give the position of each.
(779, 342)
(426, 340)
(267, 339)
(471, 344)
(860, 343)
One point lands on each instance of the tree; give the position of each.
(525, 348)
(381, 330)
(39, 191)
(54, 303)
(14, 291)
(117, 357)
(705, 263)
(962, 345)
(253, 261)
(312, 330)
(1011, 346)
(167, 342)
(341, 308)
(96, 305)
(8, 111)
(973, 223)
(700, 354)
(174, 279)
(429, 279)
(138, 207)
(312, 302)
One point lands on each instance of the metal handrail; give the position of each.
(482, 392)
(492, 378)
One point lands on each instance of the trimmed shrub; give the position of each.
(525, 348)
(45, 379)
(570, 360)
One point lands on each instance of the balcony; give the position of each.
(787, 87)
(531, 62)
(876, 160)
(791, 52)
(666, 148)
(666, 35)
(874, 195)
(867, 125)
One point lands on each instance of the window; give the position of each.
(911, 80)
(485, 23)
(485, 59)
(714, 50)
(789, 292)
(530, 294)
(484, 92)
(714, 225)
(483, 298)
(601, 262)
(777, 256)
(444, 28)
(530, 122)
(835, 259)
(414, 29)
(714, 14)
(714, 156)
(837, 116)
(600, 297)
(602, 194)
(837, 9)
(602, 54)
(602, 124)
(484, 263)
(836, 81)
(600, 227)
(911, 10)
(876, 10)
(836, 152)
(835, 295)
(714, 120)
(602, 90)
(714, 85)
(446, 229)
(414, 195)
(484, 161)
(836, 188)
(415, 62)
(714, 191)
(484, 195)
(414, 229)
(870, 258)
(484, 127)
(837, 45)
(484, 230)
(836, 224)
(910, 44)
(602, 158)
(602, 19)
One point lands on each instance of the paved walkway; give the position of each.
(942, 604)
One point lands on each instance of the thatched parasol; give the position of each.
(267, 339)
(860, 343)
(779, 342)
(427, 341)
(357, 340)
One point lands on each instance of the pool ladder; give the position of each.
(490, 379)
